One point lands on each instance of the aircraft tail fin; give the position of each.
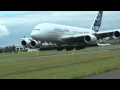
(97, 22)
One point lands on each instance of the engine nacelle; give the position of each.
(90, 39)
(116, 34)
(26, 42)
(35, 43)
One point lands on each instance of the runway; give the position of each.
(115, 74)
(85, 52)
(57, 55)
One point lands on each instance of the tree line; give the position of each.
(9, 49)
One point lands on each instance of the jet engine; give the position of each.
(35, 44)
(90, 39)
(116, 34)
(26, 42)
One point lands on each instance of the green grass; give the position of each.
(60, 67)
(41, 53)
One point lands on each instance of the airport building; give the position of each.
(20, 48)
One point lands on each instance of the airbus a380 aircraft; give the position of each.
(67, 35)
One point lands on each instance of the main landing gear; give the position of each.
(69, 48)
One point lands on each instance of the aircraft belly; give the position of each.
(50, 38)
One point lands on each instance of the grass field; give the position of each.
(25, 66)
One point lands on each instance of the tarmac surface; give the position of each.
(115, 74)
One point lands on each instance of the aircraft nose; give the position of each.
(34, 34)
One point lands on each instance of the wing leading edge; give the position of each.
(104, 34)
(90, 38)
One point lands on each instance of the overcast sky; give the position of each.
(16, 24)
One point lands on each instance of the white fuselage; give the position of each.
(48, 32)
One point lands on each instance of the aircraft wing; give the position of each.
(90, 38)
(109, 33)
(26, 38)
(74, 38)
